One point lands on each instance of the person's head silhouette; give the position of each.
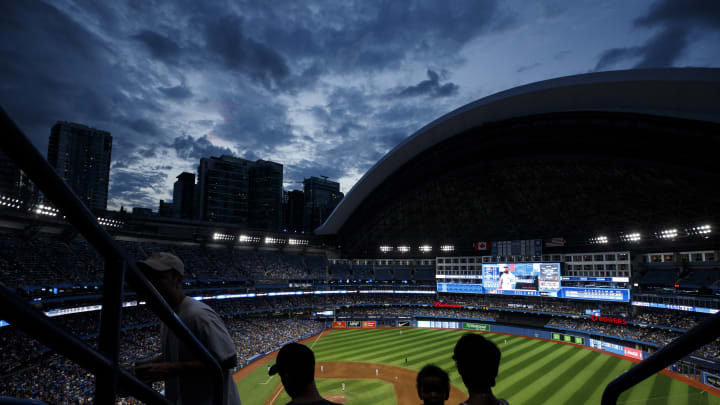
(433, 385)
(477, 360)
(296, 365)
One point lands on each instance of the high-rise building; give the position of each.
(15, 184)
(165, 209)
(183, 196)
(265, 195)
(320, 198)
(239, 191)
(81, 156)
(223, 188)
(293, 207)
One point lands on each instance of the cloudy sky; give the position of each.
(323, 87)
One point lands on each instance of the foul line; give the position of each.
(268, 380)
(272, 401)
(318, 338)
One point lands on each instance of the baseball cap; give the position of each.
(294, 358)
(164, 261)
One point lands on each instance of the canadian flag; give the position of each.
(480, 245)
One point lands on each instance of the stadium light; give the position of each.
(297, 242)
(386, 249)
(699, 230)
(630, 237)
(599, 240)
(447, 248)
(403, 249)
(667, 234)
(426, 248)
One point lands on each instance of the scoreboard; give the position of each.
(528, 279)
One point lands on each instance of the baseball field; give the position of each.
(372, 365)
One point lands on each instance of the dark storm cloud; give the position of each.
(179, 92)
(306, 168)
(375, 35)
(188, 147)
(42, 55)
(137, 69)
(430, 87)
(159, 46)
(676, 21)
(225, 38)
(134, 187)
(55, 69)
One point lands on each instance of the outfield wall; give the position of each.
(610, 344)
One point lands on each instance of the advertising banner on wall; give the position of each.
(353, 324)
(476, 326)
(403, 324)
(338, 324)
(711, 379)
(633, 353)
(369, 324)
(568, 338)
(616, 349)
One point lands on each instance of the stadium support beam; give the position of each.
(110, 322)
(695, 338)
(24, 317)
(25, 156)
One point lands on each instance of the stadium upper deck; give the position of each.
(580, 156)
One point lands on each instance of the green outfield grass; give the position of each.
(531, 371)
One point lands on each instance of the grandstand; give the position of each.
(424, 239)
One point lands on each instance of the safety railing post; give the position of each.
(110, 323)
(22, 152)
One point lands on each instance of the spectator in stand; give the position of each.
(433, 385)
(296, 365)
(477, 360)
(186, 376)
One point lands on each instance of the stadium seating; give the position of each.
(402, 273)
(383, 273)
(659, 278)
(424, 273)
(698, 279)
(362, 272)
(340, 272)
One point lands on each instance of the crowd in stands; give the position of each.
(675, 319)
(43, 261)
(31, 371)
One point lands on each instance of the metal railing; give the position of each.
(104, 362)
(695, 338)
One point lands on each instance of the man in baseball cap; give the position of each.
(186, 377)
(296, 365)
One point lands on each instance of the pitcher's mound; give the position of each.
(340, 399)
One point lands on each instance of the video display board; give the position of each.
(528, 279)
(506, 278)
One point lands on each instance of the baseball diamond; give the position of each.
(531, 371)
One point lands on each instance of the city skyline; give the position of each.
(324, 89)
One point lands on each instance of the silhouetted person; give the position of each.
(433, 385)
(296, 365)
(187, 378)
(478, 360)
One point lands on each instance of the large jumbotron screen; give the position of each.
(530, 279)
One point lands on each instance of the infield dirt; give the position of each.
(402, 379)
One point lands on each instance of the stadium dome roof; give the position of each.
(611, 131)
